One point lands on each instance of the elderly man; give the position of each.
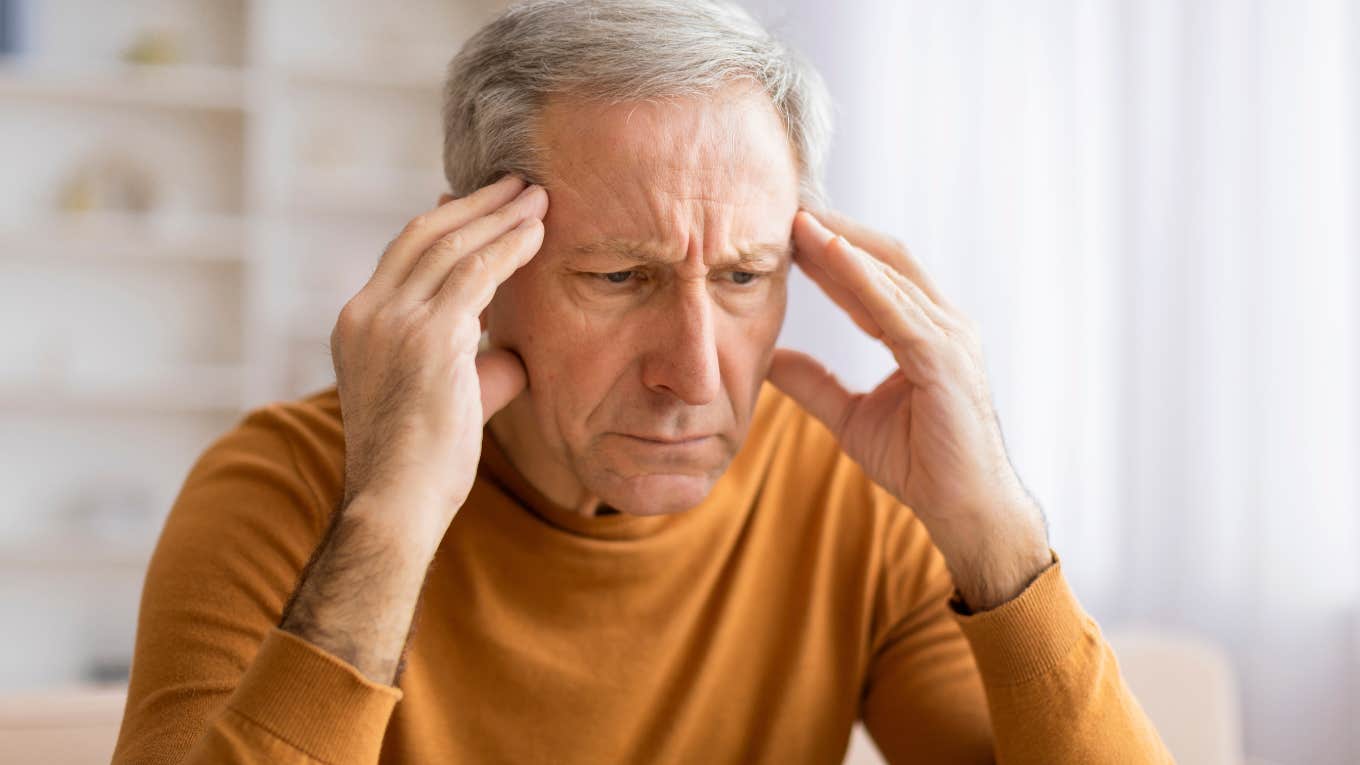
(552, 512)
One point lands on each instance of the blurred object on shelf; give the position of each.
(109, 181)
(155, 47)
(109, 670)
(13, 27)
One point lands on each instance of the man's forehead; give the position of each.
(727, 149)
(772, 253)
(659, 181)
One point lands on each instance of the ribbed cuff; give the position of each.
(1027, 635)
(315, 701)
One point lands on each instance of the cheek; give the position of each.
(747, 340)
(759, 323)
(573, 356)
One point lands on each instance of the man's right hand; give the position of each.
(414, 396)
(414, 393)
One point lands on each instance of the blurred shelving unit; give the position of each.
(192, 189)
(66, 556)
(158, 86)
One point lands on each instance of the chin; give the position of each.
(655, 493)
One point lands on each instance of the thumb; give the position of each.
(502, 377)
(813, 386)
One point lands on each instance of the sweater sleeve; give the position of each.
(923, 701)
(213, 679)
(1031, 681)
(1054, 691)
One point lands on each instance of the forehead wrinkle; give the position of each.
(651, 252)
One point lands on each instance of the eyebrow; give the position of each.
(647, 252)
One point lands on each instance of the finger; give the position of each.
(432, 268)
(882, 247)
(473, 280)
(912, 291)
(902, 318)
(813, 386)
(839, 294)
(423, 230)
(502, 377)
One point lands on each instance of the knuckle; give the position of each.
(338, 335)
(451, 243)
(464, 334)
(389, 317)
(350, 316)
(520, 238)
(468, 277)
(348, 323)
(419, 331)
(506, 215)
(416, 225)
(335, 344)
(533, 226)
(471, 267)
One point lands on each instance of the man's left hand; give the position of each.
(928, 433)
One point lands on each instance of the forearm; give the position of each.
(357, 596)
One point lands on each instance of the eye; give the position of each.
(618, 277)
(743, 277)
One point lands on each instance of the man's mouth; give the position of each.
(658, 440)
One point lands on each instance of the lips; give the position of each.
(669, 440)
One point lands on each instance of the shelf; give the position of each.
(170, 87)
(386, 79)
(181, 388)
(74, 554)
(106, 234)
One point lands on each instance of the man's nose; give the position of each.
(683, 352)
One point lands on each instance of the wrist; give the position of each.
(408, 522)
(993, 559)
(357, 595)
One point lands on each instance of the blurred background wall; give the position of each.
(1149, 207)
(190, 190)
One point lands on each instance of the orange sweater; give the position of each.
(756, 627)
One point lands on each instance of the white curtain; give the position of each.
(1149, 206)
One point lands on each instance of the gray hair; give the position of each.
(615, 51)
